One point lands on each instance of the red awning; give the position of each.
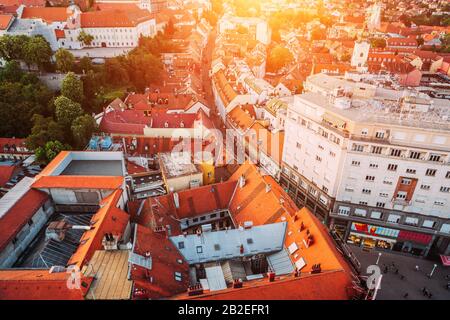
(445, 260)
(414, 237)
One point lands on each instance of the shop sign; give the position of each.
(374, 230)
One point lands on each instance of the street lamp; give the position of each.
(378, 259)
(432, 271)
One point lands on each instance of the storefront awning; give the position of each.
(445, 260)
(415, 237)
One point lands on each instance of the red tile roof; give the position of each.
(9, 142)
(59, 34)
(165, 262)
(6, 173)
(78, 182)
(47, 14)
(19, 284)
(114, 18)
(5, 20)
(192, 201)
(331, 285)
(19, 214)
(108, 219)
(26, 3)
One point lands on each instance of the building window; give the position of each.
(396, 152)
(366, 191)
(414, 155)
(439, 203)
(445, 189)
(370, 178)
(401, 195)
(425, 187)
(356, 163)
(412, 221)
(332, 154)
(430, 172)
(376, 215)
(377, 150)
(381, 204)
(298, 145)
(178, 276)
(393, 218)
(318, 158)
(373, 165)
(405, 181)
(181, 245)
(199, 249)
(447, 175)
(428, 224)
(392, 167)
(411, 171)
(383, 195)
(364, 203)
(379, 134)
(344, 211)
(358, 147)
(435, 157)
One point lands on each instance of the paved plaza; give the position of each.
(393, 287)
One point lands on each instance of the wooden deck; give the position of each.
(110, 269)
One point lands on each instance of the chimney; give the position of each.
(237, 283)
(271, 276)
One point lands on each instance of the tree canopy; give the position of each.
(278, 58)
(72, 87)
(64, 60)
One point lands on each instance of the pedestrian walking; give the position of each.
(396, 271)
(429, 295)
(417, 268)
(406, 295)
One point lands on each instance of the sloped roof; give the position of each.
(35, 284)
(166, 260)
(47, 14)
(5, 20)
(78, 182)
(19, 214)
(6, 173)
(114, 18)
(108, 219)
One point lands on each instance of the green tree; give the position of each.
(279, 57)
(64, 60)
(72, 87)
(13, 47)
(44, 129)
(116, 72)
(67, 111)
(85, 65)
(51, 149)
(37, 52)
(82, 129)
(11, 72)
(85, 38)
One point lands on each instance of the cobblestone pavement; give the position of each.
(393, 287)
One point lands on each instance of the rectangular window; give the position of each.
(377, 150)
(425, 187)
(430, 172)
(381, 204)
(406, 182)
(435, 157)
(445, 189)
(344, 211)
(396, 152)
(412, 221)
(411, 171)
(428, 224)
(358, 147)
(376, 215)
(392, 167)
(393, 218)
(370, 178)
(366, 191)
(414, 155)
(356, 163)
(447, 175)
(360, 212)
